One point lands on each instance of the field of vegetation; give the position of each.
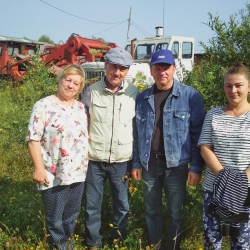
(21, 210)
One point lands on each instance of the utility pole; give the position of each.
(129, 22)
(163, 16)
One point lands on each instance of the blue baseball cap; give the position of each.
(162, 56)
(119, 56)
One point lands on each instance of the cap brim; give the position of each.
(126, 66)
(164, 62)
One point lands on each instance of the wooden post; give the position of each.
(129, 22)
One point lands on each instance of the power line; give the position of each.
(146, 31)
(79, 16)
(109, 28)
(137, 26)
(140, 29)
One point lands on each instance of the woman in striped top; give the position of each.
(225, 142)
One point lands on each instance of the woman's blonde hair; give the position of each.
(238, 68)
(73, 69)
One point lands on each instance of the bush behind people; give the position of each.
(21, 210)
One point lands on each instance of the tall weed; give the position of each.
(21, 209)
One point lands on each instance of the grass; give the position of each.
(21, 210)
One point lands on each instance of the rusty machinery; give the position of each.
(16, 53)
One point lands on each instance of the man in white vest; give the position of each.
(111, 106)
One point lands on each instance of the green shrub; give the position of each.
(21, 210)
(229, 45)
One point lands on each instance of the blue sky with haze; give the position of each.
(108, 18)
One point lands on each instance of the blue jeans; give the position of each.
(98, 173)
(62, 207)
(173, 182)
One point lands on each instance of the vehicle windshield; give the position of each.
(161, 46)
(144, 51)
(128, 48)
(12, 51)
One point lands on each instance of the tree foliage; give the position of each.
(98, 38)
(38, 83)
(230, 45)
(25, 37)
(231, 42)
(46, 39)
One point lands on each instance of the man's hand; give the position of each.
(193, 178)
(136, 173)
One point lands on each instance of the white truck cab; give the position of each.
(181, 47)
(141, 51)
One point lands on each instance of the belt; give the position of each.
(158, 155)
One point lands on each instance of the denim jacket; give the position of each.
(183, 116)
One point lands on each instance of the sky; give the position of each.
(108, 19)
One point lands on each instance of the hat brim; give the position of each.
(126, 66)
(162, 62)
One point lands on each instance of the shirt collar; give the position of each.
(119, 88)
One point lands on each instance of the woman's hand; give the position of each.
(248, 173)
(40, 176)
(211, 159)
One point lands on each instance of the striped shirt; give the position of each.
(230, 138)
(230, 193)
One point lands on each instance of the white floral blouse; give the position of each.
(63, 135)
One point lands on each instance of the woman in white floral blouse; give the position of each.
(58, 144)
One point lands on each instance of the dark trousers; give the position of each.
(62, 207)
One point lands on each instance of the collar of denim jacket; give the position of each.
(176, 88)
(176, 91)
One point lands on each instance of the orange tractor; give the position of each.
(15, 54)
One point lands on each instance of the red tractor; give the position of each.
(15, 54)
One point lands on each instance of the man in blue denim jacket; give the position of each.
(169, 117)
